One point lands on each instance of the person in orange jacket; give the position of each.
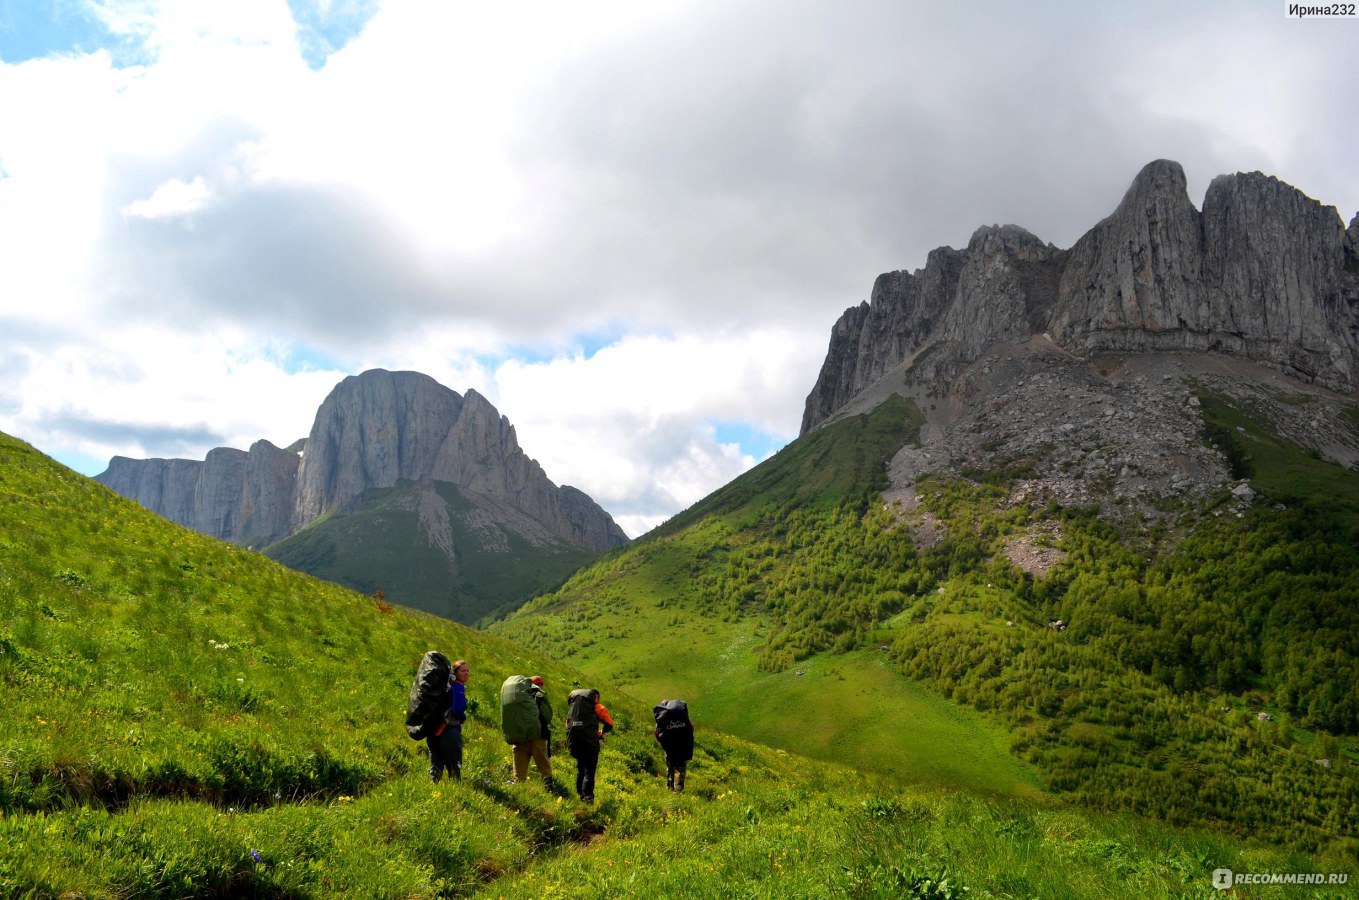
(587, 721)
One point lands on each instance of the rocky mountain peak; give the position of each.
(1264, 272)
(1159, 180)
(374, 430)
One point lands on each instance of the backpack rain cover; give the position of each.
(519, 711)
(429, 696)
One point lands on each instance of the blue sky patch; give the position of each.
(751, 440)
(325, 28)
(586, 344)
(80, 462)
(302, 358)
(35, 30)
(31, 30)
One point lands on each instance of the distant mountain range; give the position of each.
(403, 486)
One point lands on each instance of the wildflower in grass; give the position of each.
(255, 855)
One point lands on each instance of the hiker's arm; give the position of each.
(459, 708)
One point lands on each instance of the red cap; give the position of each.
(537, 679)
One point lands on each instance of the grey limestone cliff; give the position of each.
(373, 431)
(872, 337)
(381, 427)
(240, 496)
(1263, 272)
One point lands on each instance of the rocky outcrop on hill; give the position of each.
(1263, 272)
(165, 486)
(238, 496)
(873, 337)
(381, 427)
(373, 431)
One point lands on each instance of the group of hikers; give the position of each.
(438, 708)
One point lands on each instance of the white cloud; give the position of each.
(154, 391)
(173, 199)
(695, 188)
(632, 425)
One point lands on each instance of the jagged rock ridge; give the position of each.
(1263, 272)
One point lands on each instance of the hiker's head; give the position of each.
(594, 694)
(537, 679)
(461, 670)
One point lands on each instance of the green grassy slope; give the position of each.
(640, 621)
(182, 717)
(383, 546)
(1209, 675)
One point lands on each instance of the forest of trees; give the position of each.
(1152, 697)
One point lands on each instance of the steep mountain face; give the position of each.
(383, 427)
(238, 496)
(376, 433)
(1263, 273)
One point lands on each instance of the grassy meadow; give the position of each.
(186, 718)
(628, 631)
(1209, 674)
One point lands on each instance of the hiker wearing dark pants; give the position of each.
(445, 744)
(587, 761)
(675, 733)
(587, 723)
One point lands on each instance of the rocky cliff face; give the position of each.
(238, 496)
(873, 337)
(1263, 272)
(380, 427)
(373, 431)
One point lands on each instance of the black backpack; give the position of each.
(674, 730)
(429, 696)
(581, 721)
(671, 714)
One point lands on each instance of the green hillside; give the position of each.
(382, 545)
(186, 718)
(1209, 674)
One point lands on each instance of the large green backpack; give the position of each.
(518, 711)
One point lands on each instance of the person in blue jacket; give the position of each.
(445, 744)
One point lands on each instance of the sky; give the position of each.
(631, 226)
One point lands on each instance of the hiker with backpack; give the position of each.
(544, 713)
(676, 735)
(524, 708)
(436, 711)
(587, 722)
